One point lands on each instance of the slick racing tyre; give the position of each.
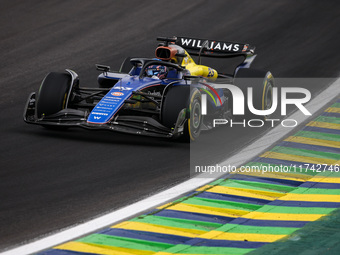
(178, 98)
(174, 101)
(262, 83)
(193, 128)
(53, 92)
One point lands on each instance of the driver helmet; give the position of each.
(158, 71)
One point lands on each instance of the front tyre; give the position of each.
(53, 93)
(178, 98)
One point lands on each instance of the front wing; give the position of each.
(137, 125)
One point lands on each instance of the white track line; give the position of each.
(243, 156)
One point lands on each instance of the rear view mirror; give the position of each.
(102, 68)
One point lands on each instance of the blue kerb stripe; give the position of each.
(275, 181)
(233, 198)
(194, 216)
(310, 147)
(269, 223)
(147, 236)
(331, 114)
(224, 243)
(321, 130)
(305, 204)
(320, 185)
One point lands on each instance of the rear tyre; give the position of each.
(262, 83)
(53, 94)
(193, 128)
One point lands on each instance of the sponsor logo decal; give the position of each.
(100, 113)
(122, 88)
(117, 94)
(154, 93)
(212, 45)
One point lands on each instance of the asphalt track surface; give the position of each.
(50, 180)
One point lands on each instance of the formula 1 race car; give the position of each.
(168, 96)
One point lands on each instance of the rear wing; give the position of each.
(214, 49)
(211, 48)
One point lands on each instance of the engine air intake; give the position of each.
(165, 53)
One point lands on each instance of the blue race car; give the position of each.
(160, 97)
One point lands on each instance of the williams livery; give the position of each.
(171, 95)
